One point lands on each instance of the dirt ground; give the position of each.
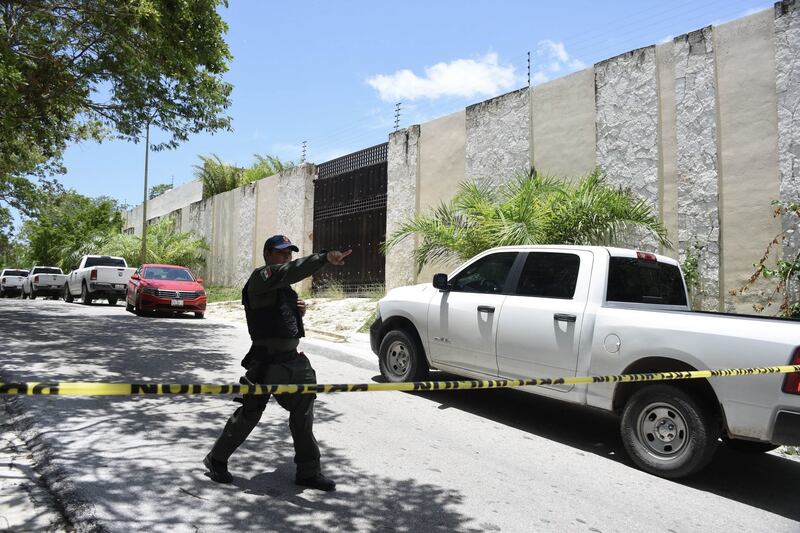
(325, 317)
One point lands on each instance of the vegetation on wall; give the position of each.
(786, 270)
(219, 176)
(528, 209)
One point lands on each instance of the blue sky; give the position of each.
(330, 73)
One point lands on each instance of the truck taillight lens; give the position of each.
(93, 275)
(791, 383)
(36, 279)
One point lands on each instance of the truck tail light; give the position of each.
(36, 279)
(93, 275)
(791, 383)
(646, 256)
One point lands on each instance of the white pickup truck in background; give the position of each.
(559, 311)
(43, 281)
(11, 280)
(98, 276)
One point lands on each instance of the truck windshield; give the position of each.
(646, 282)
(105, 261)
(23, 273)
(46, 270)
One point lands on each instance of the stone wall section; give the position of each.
(197, 218)
(787, 60)
(295, 210)
(626, 102)
(498, 137)
(698, 172)
(401, 203)
(245, 234)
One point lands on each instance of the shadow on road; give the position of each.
(766, 481)
(120, 455)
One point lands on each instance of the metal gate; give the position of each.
(350, 212)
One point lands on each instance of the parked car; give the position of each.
(11, 280)
(558, 311)
(98, 276)
(169, 288)
(43, 281)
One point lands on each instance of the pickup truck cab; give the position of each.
(43, 281)
(11, 280)
(558, 311)
(98, 276)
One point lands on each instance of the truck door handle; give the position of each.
(562, 317)
(485, 309)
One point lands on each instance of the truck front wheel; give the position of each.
(401, 358)
(67, 294)
(668, 431)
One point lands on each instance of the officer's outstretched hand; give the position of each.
(337, 258)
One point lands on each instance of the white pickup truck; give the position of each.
(11, 280)
(558, 311)
(98, 276)
(43, 281)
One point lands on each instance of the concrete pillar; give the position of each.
(498, 137)
(698, 163)
(295, 209)
(401, 203)
(626, 92)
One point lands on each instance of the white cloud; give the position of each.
(464, 78)
(551, 60)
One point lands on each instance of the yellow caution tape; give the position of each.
(128, 389)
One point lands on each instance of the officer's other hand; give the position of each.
(301, 307)
(337, 258)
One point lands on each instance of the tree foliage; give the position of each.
(528, 209)
(218, 176)
(67, 226)
(158, 190)
(787, 270)
(165, 245)
(77, 69)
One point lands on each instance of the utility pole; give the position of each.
(144, 203)
(397, 116)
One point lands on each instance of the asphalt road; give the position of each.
(497, 460)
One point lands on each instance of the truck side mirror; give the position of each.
(440, 282)
(134, 276)
(200, 281)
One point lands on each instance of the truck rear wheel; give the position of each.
(668, 431)
(401, 358)
(112, 301)
(85, 297)
(67, 294)
(32, 295)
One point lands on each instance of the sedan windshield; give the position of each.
(166, 273)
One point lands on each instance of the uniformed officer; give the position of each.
(274, 319)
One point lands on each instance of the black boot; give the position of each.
(318, 482)
(217, 470)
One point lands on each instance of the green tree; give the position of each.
(158, 190)
(528, 209)
(69, 225)
(218, 176)
(165, 245)
(73, 70)
(786, 270)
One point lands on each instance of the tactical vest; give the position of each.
(280, 320)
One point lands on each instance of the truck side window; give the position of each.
(549, 275)
(487, 275)
(649, 282)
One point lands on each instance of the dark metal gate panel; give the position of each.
(350, 212)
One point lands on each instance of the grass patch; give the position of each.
(791, 450)
(332, 289)
(218, 293)
(368, 322)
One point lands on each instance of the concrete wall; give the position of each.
(442, 153)
(163, 204)
(401, 201)
(748, 140)
(667, 145)
(564, 125)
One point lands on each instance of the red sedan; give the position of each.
(165, 288)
